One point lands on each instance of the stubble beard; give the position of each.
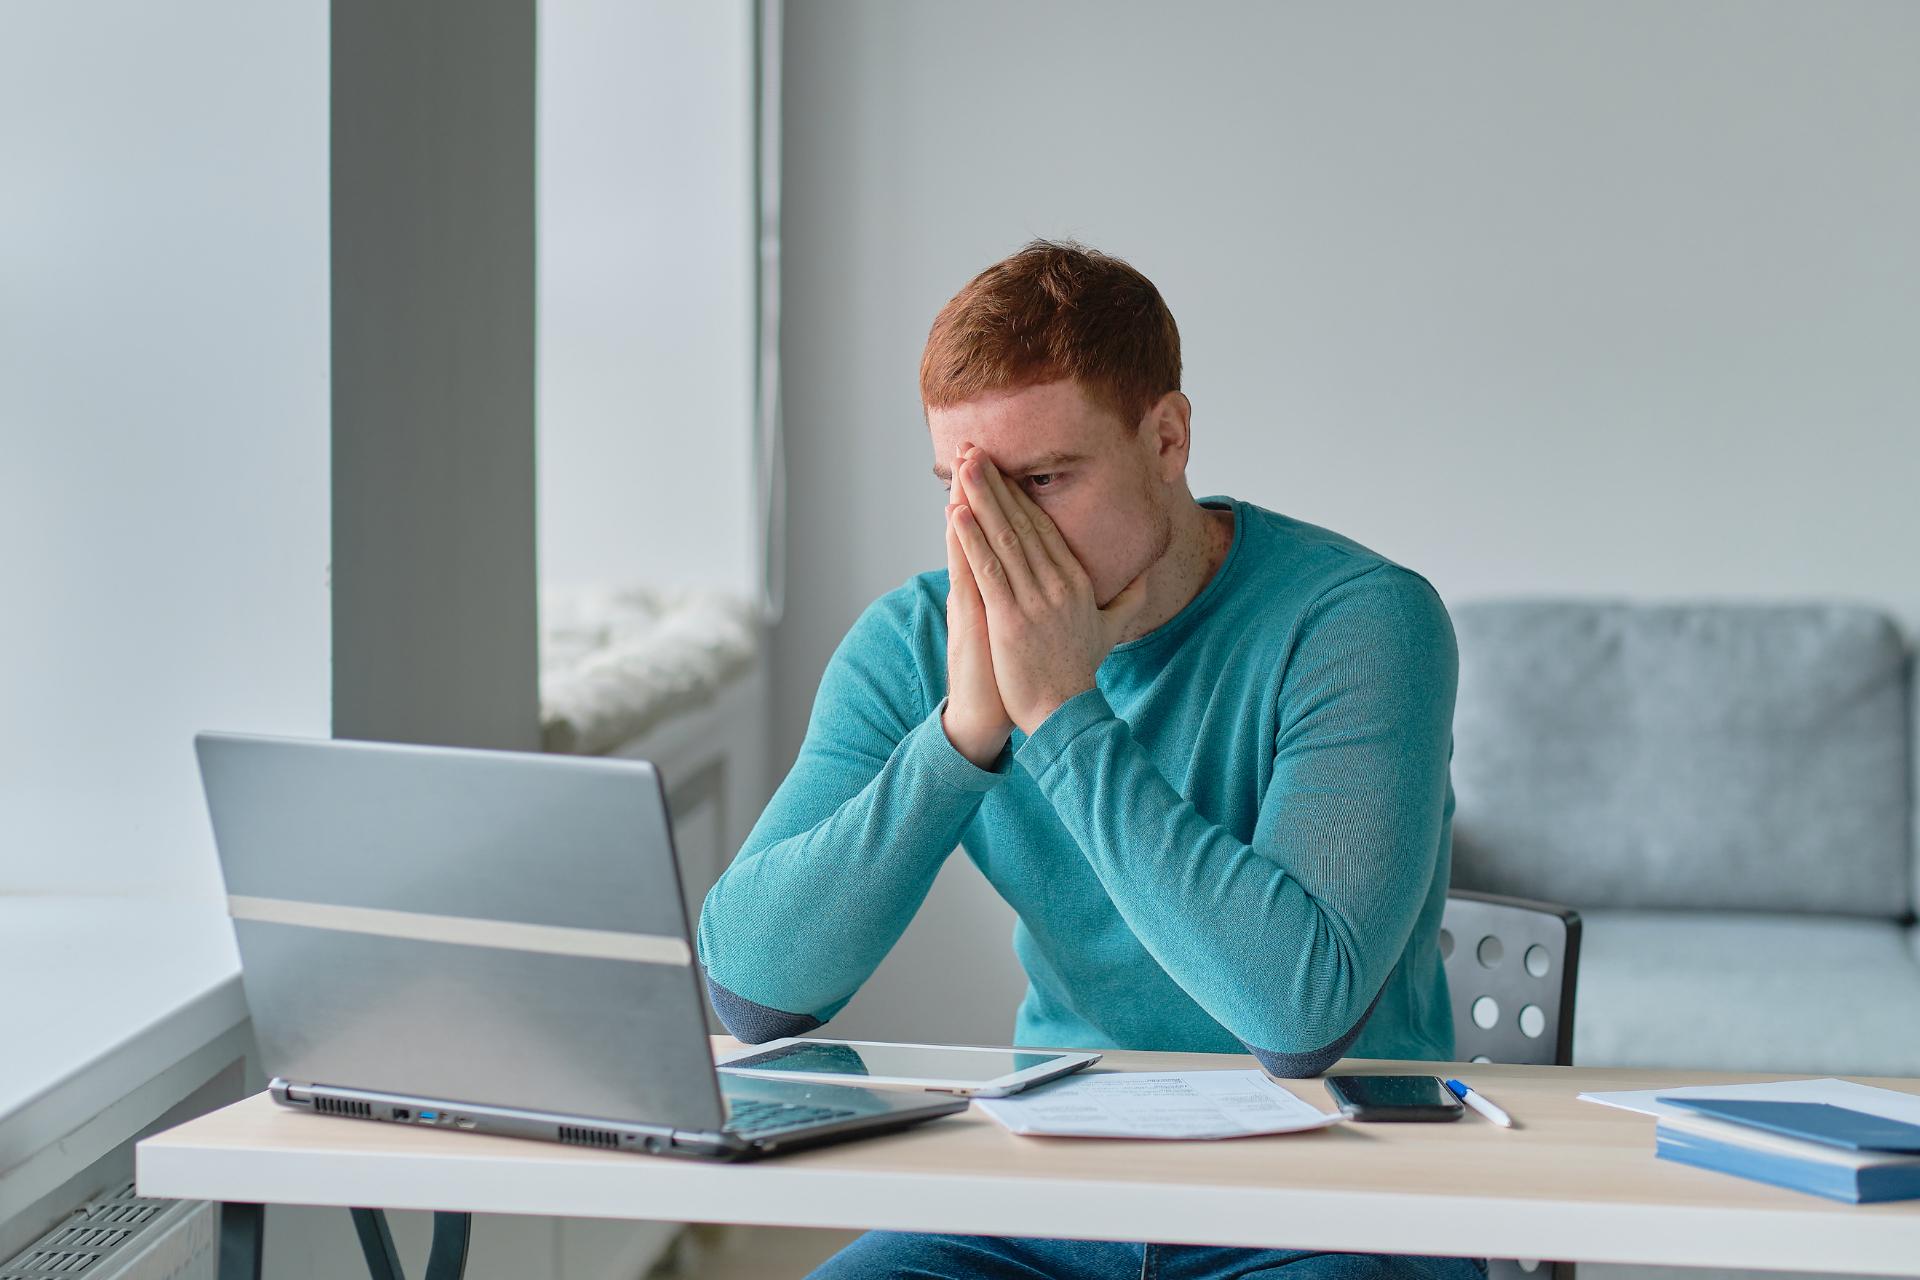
(1162, 542)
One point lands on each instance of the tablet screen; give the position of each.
(970, 1066)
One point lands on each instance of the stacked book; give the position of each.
(1810, 1146)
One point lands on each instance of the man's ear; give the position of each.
(1168, 426)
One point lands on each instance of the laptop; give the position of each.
(491, 941)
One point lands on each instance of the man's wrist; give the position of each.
(980, 749)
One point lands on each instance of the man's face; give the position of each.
(1093, 477)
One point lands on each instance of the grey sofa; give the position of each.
(1725, 792)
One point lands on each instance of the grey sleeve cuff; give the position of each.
(1301, 1066)
(752, 1023)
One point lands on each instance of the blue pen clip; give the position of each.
(1479, 1103)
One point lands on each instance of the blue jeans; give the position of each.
(912, 1256)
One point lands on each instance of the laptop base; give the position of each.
(857, 1113)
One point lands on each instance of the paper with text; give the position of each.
(1157, 1104)
(1888, 1103)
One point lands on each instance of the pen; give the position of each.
(1480, 1104)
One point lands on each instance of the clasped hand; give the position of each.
(1014, 580)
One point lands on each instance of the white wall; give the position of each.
(1596, 298)
(163, 421)
(646, 293)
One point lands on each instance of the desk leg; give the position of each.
(242, 1230)
(448, 1260)
(376, 1242)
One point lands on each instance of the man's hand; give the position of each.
(975, 720)
(1047, 633)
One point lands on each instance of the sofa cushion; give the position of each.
(1798, 994)
(1747, 757)
(1636, 1271)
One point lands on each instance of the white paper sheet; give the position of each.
(1889, 1103)
(1164, 1104)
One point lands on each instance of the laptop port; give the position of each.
(429, 1117)
(403, 1113)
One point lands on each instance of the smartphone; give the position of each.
(1393, 1098)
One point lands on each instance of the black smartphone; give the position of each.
(1394, 1098)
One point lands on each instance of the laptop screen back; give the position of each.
(475, 926)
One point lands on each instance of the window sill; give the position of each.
(105, 997)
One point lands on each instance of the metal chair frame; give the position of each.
(1485, 941)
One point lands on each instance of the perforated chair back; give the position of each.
(1511, 965)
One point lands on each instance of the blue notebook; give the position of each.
(1814, 1121)
(1814, 1147)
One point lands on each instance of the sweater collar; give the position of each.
(1202, 603)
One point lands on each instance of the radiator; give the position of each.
(125, 1237)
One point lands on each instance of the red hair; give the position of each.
(1055, 310)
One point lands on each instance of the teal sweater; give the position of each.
(1240, 838)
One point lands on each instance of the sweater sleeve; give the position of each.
(1286, 941)
(848, 847)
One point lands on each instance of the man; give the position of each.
(1201, 748)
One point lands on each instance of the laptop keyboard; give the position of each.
(751, 1115)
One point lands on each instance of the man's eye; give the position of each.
(1052, 478)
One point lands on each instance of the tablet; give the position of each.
(939, 1068)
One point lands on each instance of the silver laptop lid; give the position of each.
(479, 926)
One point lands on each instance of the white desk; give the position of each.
(1576, 1181)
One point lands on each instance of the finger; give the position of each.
(1048, 534)
(960, 586)
(989, 573)
(1020, 510)
(997, 530)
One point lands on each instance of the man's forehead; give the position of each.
(1024, 429)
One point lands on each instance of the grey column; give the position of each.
(434, 610)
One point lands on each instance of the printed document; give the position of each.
(1157, 1104)
(1889, 1104)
